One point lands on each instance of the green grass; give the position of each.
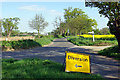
(111, 52)
(43, 41)
(20, 44)
(80, 41)
(26, 44)
(37, 68)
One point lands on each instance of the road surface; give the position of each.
(107, 67)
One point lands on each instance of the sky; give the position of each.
(26, 11)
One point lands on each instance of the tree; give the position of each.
(9, 24)
(111, 10)
(96, 31)
(38, 23)
(56, 24)
(77, 21)
(81, 24)
(72, 13)
(105, 31)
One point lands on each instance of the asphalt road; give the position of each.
(107, 67)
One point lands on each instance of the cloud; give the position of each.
(54, 12)
(32, 8)
(37, 8)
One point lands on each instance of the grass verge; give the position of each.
(20, 44)
(80, 41)
(37, 68)
(111, 52)
(44, 41)
(25, 44)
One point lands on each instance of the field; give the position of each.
(16, 38)
(98, 36)
(100, 40)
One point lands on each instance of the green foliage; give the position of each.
(111, 52)
(111, 10)
(20, 44)
(43, 41)
(26, 44)
(80, 41)
(96, 31)
(37, 68)
(105, 31)
(81, 24)
(72, 13)
(9, 24)
(58, 36)
(77, 21)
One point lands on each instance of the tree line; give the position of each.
(76, 21)
(9, 25)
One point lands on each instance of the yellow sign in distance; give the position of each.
(77, 62)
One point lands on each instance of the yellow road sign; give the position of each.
(77, 62)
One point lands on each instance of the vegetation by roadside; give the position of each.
(81, 41)
(20, 44)
(26, 44)
(37, 68)
(45, 40)
(111, 52)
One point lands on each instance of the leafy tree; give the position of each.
(72, 13)
(81, 24)
(38, 23)
(9, 24)
(105, 31)
(96, 31)
(111, 10)
(77, 21)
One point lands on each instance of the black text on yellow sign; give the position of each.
(77, 62)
